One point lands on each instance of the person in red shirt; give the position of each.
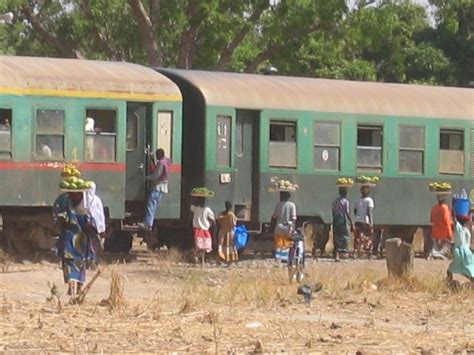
(442, 229)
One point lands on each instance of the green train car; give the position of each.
(45, 107)
(240, 130)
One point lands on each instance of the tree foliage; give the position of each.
(384, 40)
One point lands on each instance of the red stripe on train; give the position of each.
(117, 167)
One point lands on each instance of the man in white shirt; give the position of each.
(364, 221)
(284, 217)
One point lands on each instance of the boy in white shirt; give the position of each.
(203, 220)
(364, 222)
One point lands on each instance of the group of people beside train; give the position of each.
(80, 216)
(449, 232)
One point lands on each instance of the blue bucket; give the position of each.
(461, 206)
(241, 237)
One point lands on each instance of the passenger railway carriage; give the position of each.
(44, 105)
(240, 130)
(233, 132)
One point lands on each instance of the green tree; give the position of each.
(455, 36)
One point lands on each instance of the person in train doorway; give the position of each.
(441, 229)
(284, 219)
(341, 216)
(159, 182)
(364, 222)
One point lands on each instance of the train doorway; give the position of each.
(136, 160)
(246, 164)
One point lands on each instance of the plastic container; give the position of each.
(241, 236)
(462, 206)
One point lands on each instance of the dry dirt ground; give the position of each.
(175, 307)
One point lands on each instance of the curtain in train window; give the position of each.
(5, 133)
(223, 144)
(165, 132)
(369, 148)
(411, 152)
(282, 146)
(101, 135)
(451, 151)
(327, 142)
(49, 137)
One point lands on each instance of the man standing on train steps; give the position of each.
(159, 182)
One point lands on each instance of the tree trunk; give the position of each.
(399, 257)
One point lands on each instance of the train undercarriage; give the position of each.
(25, 231)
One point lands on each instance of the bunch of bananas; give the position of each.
(70, 170)
(202, 191)
(344, 181)
(367, 179)
(440, 186)
(72, 180)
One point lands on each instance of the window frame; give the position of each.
(422, 150)
(114, 134)
(230, 142)
(36, 133)
(8, 154)
(374, 169)
(283, 121)
(127, 149)
(171, 112)
(338, 146)
(461, 130)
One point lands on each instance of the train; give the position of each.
(230, 132)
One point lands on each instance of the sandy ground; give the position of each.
(246, 308)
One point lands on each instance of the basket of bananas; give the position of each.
(440, 187)
(202, 192)
(282, 185)
(367, 180)
(344, 182)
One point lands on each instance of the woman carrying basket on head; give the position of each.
(340, 217)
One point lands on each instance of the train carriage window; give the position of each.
(101, 135)
(49, 142)
(282, 147)
(327, 142)
(5, 133)
(369, 148)
(132, 131)
(451, 151)
(411, 149)
(223, 144)
(165, 132)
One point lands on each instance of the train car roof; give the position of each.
(253, 91)
(83, 78)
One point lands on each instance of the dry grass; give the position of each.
(239, 310)
(116, 300)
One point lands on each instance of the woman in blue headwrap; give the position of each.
(74, 245)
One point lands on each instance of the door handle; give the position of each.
(141, 166)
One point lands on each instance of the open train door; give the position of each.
(136, 159)
(246, 164)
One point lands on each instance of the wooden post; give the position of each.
(399, 257)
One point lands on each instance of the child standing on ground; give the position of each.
(203, 220)
(227, 222)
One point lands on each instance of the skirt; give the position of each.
(363, 237)
(202, 240)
